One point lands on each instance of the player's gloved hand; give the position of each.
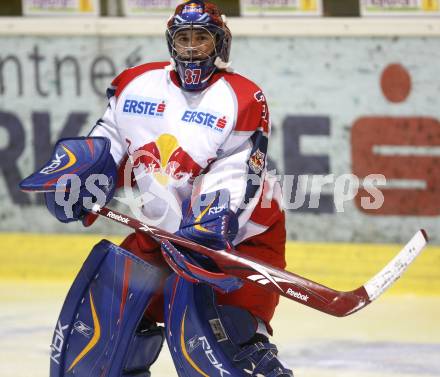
(97, 179)
(209, 221)
(80, 173)
(190, 269)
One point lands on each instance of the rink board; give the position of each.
(318, 117)
(341, 266)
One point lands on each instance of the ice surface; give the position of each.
(396, 336)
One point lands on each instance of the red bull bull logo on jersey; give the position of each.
(203, 118)
(166, 160)
(142, 106)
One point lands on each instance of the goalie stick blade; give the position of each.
(378, 284)
(347, 303)
(397, 266)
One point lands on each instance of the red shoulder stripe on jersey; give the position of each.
(266, 216)
(267, 211)
(124, 78)
(252, 108)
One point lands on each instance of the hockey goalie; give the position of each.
(185, 141)
(190, 133)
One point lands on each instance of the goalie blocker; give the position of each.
(80, 173)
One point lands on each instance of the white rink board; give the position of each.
(335, 75)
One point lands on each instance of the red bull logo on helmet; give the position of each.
(192, 8)
(143, 106)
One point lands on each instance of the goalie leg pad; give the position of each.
(144, 349)
(206, 339)
(96, 333)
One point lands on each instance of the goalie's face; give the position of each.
(194, 44)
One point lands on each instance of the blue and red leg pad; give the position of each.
(96, 333)
(206, 339)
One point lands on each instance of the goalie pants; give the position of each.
(268, 247)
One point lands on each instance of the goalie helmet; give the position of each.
(199, 42)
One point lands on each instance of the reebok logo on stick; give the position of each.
(116, 217)
(295, 294)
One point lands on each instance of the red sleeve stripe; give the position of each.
(267, 210)
(121, 81)
(266, 216)
(252, 113)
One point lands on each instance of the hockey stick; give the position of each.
(287, 284)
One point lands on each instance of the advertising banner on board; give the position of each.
(149, 7)
(60, 7)
(400, 7)
(281, 7)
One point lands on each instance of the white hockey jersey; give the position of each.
(182, 144)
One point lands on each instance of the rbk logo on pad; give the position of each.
(58, 343)
(144, 106)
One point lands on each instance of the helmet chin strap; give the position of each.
(172, 66)
(218, 62)
(224, 66)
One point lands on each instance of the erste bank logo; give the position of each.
(208, 119)
(144, 106)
